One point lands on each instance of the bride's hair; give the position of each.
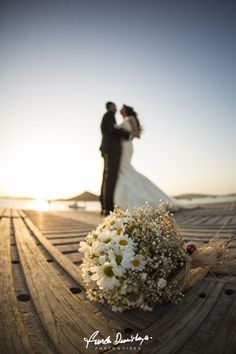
(130, 112)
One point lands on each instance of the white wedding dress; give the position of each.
(132, 188)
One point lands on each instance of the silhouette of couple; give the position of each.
(121, 184)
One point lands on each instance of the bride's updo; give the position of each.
(129, 112)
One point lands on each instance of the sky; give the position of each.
(61, 61)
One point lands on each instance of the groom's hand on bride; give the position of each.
(121, 132)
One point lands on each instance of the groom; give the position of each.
(111, 153)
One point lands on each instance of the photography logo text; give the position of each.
(116, 341)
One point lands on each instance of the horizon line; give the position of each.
(74, 195)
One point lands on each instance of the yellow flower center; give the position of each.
(107, 240)
(136, 262)
(123, 242)
(118, 259)
(108, 272)
(112, 222)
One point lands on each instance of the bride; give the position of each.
(133, 189)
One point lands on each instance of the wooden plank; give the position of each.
(64, 236)
(65, 263)
(72, 248)
(226, 237)
(48, 220)
(65, 231)
(22, 214)
(75, 257)
(217, 333)
(208, 228)
(203, 220)
(7, 213)
(207, 231)
(67, 241)
(225, 219)
(199, 233)
(88, 218)
(13, 338)
(191, 238)
(62, 314)
(15, 213)
(191, 220)
(233, 220)
(180, 324)
(203, 212)
(214, 220)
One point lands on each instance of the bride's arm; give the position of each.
(135, 130)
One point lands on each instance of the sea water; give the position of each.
(44, 205)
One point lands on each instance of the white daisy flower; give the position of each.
(105, 241)
(105, 236)
(125, 240)
(120, 228)
(120, 260)
(138, 262)
(104, 276)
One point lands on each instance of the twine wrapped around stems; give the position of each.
(211, 257)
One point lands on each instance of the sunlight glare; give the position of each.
(41, 205)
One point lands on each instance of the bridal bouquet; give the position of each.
(128, 260)
(137, 259)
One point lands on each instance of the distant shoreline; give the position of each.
(83, 197)
(88, 197)
(195, 195)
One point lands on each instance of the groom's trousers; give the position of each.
(110, 174)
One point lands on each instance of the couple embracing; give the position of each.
(122, 185)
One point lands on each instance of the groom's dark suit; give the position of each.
(111, 152)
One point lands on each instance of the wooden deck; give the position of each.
(43, 305)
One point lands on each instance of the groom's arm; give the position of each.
(110, 125)
(122, 133)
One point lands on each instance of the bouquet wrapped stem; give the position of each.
(212, 257)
